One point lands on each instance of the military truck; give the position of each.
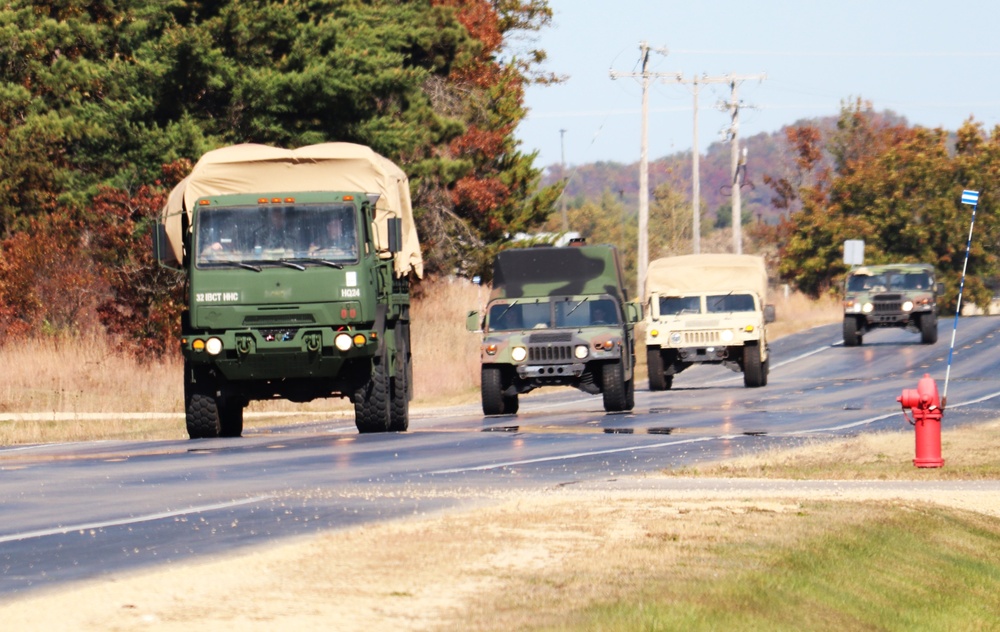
(557, 316)
(707, 309)
(298, 264)
(902, 295)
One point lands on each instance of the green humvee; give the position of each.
(902, 295)
(557, 316)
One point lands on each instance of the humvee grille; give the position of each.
(883, 307)
(699, 338)
(549, 353)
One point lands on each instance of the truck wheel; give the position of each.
(753, 368)
(399, 408)
(202, 416)
(654, 365)
(371, 401)
(495, 402)
(851, 336)
(613, 387)
(928, 329)
(630, 393)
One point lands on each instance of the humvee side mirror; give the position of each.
(940, 288)
(472, 321)
(769, 314)
(633, 312)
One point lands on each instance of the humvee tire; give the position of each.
(851, 336)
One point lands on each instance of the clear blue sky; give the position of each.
(936, 63)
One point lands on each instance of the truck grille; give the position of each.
(550, 347)
(549, 353)
(701, 338)
(888, 308)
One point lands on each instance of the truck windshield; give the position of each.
(729, 303)
(557, 311)
(309, 233)
(674, 305)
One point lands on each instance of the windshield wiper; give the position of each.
(504, 312)
(575, 307)
(332, 264)
(233, 264)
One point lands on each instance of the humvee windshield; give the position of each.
(714, 304)
(557, 311)
(889, 281)
(258, 234)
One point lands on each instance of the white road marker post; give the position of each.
(970, 198)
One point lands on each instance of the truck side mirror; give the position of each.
(472, 321)
(769, 314)
(161, 247)
(395, 228)
(940, 288)
(633, 312)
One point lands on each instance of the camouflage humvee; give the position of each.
(900, 295)
(557, 316)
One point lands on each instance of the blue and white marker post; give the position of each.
(971, 198)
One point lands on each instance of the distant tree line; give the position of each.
(861, 175)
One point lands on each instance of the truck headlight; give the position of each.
(581, 352)
(867, 308)
(517, 354)
(675, 338)
(342, 342)
(907, 306)
(213, 346)
(726, 335)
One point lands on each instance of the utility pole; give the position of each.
(734, 109)
(642, 256)
(562, 167)
(696, 155)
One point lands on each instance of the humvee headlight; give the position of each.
(907, 306)
(867, 308)
(581, 351)
(342, 342)
(213, 346)
(198, 344)
(517, 354)
(675, 338)
(726, 335)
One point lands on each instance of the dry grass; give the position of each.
(797, 312)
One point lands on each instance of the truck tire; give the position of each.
(753, 369)
(371, 400)
(654, 365)
(202, 416)
(928, 329)
(614, 387)
(399, 407)
(851, 336)
(495, 402)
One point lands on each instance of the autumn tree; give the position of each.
(898, 188)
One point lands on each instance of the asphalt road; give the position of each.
(75, 511)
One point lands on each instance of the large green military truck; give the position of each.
(707, 309)
(298, 265)
(557, 316)
(901, 295)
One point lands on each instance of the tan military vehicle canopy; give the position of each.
(343, 167)
(687, 274)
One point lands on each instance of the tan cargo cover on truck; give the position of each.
(252, 168)
(676, 276)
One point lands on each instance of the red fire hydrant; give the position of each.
(927, 413)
